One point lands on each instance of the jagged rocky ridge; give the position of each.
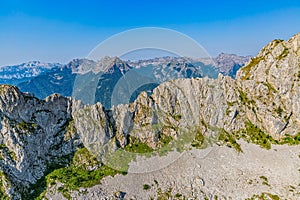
(41, 135)
(106, 72)
(34, 137)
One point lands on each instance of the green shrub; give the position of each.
(279, 111)
(146, 187)
(199, 139)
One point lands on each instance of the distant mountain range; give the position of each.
(107, 76)
(19, 73)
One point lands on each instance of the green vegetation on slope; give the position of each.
(74, 177)
(84, 171)
(4, 150)
(246, 69)
(284, 53)
(244, 99)
(3, 195)
(264, 196)
(230, 140)
(198, 139)
(253, 134)
(122, 157)
(135, 146)
(28, 127)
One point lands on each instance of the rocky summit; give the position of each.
(224, 138)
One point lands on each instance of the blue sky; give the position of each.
(58, 31)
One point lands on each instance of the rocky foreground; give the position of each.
(235, 139)
(218, 172)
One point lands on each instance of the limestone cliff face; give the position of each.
(37, 135)
(271, 81)
(266, 93)
(34, 136)
(174, 108)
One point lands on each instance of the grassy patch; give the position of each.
(244, 99)
(3, 194)
(136, 146)
(270, 87)
(264, 196)
(74, 177)
(177, 117)
(4, 150)
(279, 111)
(30, 127)
(199, 139)
(255, 135)
(289, 139)
(77, 174)
(163, 195)
(284, 53)
(246, 69)
(264, 180)
(230, 140)
(82, 158)
(120, 159)
(164, 140)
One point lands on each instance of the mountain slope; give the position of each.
(271, 82)
(58, 81)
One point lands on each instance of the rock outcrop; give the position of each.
(35, 135)
(271, 83)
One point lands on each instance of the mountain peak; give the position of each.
(295, 42)
(295, 37)
(81, 65)
(226, 62)
(276, 64)
(109, 64)
(8, 96)
(105, 64)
